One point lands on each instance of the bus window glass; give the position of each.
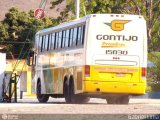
(74, 36)
(83, 34)
(36, 42)
(79, 35)
(46, 43)
(71, 37)
(67, 38)
(49, 42)
(59, 39)
(42, 44)
(56, 38)
(64, 38)
(53, 41)
(39, 44)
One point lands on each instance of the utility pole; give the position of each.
(77, 4)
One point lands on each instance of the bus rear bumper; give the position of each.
(114, 87)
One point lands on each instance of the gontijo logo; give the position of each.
(117, 25)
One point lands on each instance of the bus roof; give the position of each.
(63, 25)
(83, 20)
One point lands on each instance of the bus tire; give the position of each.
(75, 98)
(124, 99)
(111, 100)
(66, 91)
(81, 99)
(118, 99)
(42, 98)
(71, 91)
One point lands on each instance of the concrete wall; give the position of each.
(25, 81)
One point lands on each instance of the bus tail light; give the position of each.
(87, 70)
(144, 72)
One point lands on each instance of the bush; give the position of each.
(153, 73)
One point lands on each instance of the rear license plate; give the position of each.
(120, 75)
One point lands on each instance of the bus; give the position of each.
(97, 56)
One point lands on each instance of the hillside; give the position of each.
(26, 5)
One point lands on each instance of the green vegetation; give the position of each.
(153, 76)
(19, 27)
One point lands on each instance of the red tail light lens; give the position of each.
(144, 72)
(87, 70)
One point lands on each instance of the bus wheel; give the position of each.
(71, 92)
(111, 100)
(124, 99)
(42, 98)
(75, 98)
(66, 91)
(118, 99)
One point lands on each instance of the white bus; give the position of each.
(99, 55)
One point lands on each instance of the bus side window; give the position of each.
(49, 42)
(46, 43)
(64, 38)
(37, 37)
(42, 43)
(67, 38)
(75, 36)
(59, 39)
(83, 34)
(53, 41)
(79, 35)
(39, 44)
(71, 37)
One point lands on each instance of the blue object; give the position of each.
(150, 64)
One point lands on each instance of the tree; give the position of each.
(19, 27)
(153, 73)
(96, 6)
(153, 20)
(66, 14)
(150, 10)
(3, 32)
